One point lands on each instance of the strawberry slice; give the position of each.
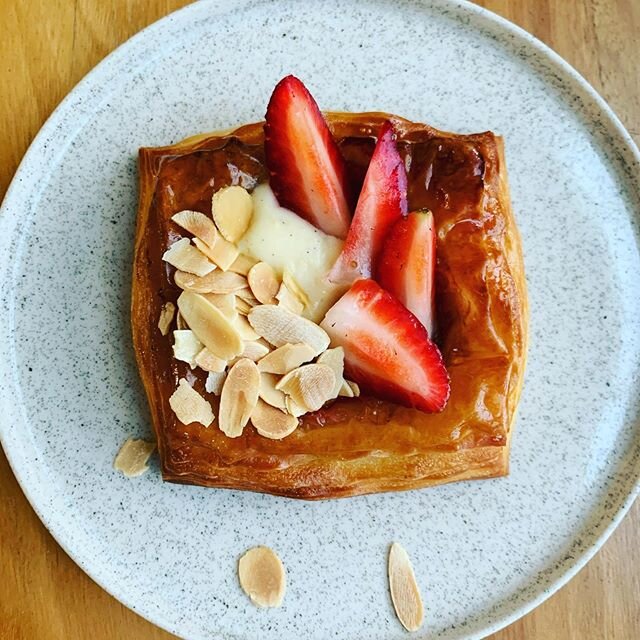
(382, 201)
(406, 266)
(387, 351)
(308, 173)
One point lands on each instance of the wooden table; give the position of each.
(47, 46)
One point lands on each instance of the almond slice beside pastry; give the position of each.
(133, 456)
(405, 593)
(262, 577)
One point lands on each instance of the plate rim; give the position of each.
(563, 571)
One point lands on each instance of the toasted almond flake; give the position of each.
(355, 389)
(279, 326)
(295, 288)
(334, 358)
(221, 252)
(232, 208)
(269, 393)
(239, 397)
(242, 264)
(133, 456)
(286, 358)
(262, 577)
(226, 302)
(309, 386)
(264, 283)
(213, 383)
(293, 408)
(405, 593)
(255, 349)
(166, 317)
(271, 422)
(184, 256)
(186, 346)
(210, 325)
(244, 328)
(198, 224)
(288, 300)
(210, 362)
(189, 406)
(345, 390)
(180, 322)
(242, 306)
(246, 295)
(215, 282)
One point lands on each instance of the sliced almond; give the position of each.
(287, 299)
(244, 328)
(198, 224)
(295, 288)
(405, 593)
(334, 358)
(255, 349)
(216, 282)
(242, 264)
(239, 397)
(186, 346)
(184, 256)
(166, 317)
(346, 391)
(293, 408)
(210, 362)
(242, 306)
(247, 296)
(221, 252)
(133, 456)
(355, 389)
(210, 325)
(213, 383)
(271, 422)
(279, 326)
(263, 282)
(232, 208)
(309, 386)
(286, 358)
(262, 577)
(226, 302)
(269, 393)
(189, 406)
(180, 322)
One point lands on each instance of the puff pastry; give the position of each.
(356, 445)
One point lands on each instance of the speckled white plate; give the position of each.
(484, 552)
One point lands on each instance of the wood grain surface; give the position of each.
(46, 47)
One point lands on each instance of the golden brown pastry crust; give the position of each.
(363, 445)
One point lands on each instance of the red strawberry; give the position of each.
(308, 173)
(387, 351)
(406, 266)
(382, 201)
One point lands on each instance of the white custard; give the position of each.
(284, 240)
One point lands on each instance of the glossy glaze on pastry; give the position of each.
(355, 445)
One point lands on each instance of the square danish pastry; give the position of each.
(327, 305)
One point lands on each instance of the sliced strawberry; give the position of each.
(382, 201)
(406, 266)
(308, 173)
(387, 351)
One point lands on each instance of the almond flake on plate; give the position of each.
(210, 325)
(232, 208)
(263, 282)
(309, 386)
(186, 346)
(271, 422)
(334, 358)
(262, 577)
(133, 456)
(214, 382)
(286, 358)
(405, 593)
(255, 349)
(189, 406)
(167, 312)
(279, 326)
(242, 264)
(239, 397)
(185, 257)
(210, 362)
(221, 252)
(198, 224)
(269, 393)
(214, 282)
(288, 300)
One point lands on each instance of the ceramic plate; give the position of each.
(484, 552)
